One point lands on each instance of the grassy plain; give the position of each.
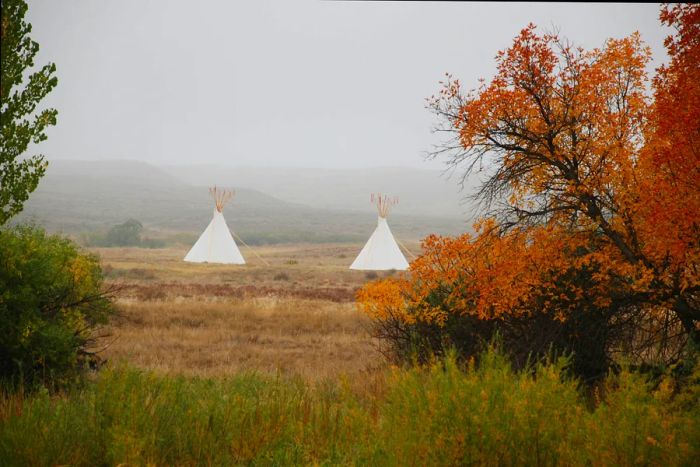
(271, 364)
(290, 310)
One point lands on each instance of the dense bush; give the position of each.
(126, 234)
(51, 301)
(456, 295)
(441, 414)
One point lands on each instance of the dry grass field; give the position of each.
(293, 315)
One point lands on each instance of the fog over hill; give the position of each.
(421, 191)
(82, 196)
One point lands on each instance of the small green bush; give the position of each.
(126, 234)
(51, 300)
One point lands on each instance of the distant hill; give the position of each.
(421, 192)
(83, 196)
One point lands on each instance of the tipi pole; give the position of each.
(253, 251)
(405, 249)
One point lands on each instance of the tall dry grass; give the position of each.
(209, 336)
(292, 313)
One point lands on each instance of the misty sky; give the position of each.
(289, 83)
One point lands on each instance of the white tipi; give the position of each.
(216, 245)
(381, 251)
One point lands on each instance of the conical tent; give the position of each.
(216, 245)
(381, 252)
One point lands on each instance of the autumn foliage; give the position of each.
(590, 240)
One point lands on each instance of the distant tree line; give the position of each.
(125, 234)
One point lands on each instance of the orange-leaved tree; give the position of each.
(591, 195)
(668, 210)
(540, 288)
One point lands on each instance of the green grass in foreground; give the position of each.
(439, 415)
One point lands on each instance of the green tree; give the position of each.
(126, 234)
(20, 121)
(52, 300)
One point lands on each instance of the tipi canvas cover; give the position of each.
(381, 252)
(216, 245)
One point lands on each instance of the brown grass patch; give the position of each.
(207, 336)
(162, 291)
(295, 314)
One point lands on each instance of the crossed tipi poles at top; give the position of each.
(221, 197)
(384, 203)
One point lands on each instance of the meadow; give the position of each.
(291, 310)
(271, 363)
